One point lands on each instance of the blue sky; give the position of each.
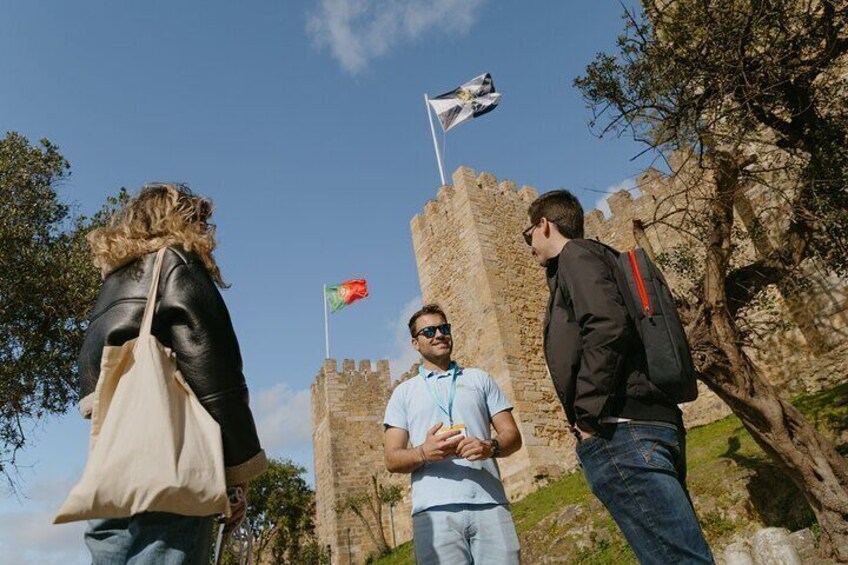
(304, 121)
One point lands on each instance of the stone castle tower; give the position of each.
(347, 437)
(473, 262)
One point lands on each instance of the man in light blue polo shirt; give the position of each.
(438, 427)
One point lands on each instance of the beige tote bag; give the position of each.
(153, 447)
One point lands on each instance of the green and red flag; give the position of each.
(346, 293)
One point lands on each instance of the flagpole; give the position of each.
(326, 324)
(435, 143)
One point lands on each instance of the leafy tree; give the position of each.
(281, 510)
(47, 286)
(745, 94)
(367, 505)
(391, 496)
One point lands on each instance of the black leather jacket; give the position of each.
(192, 320)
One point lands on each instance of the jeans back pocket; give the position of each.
(659, 445)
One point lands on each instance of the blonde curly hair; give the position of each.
(161, 215)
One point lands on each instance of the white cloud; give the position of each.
(27, 534)
(283, 417)
(403, 355)
(357, 31)
(628, 184)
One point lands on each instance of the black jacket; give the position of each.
(192, 320)
(592, 348)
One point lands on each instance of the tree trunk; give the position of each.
(377, 511)
(782, 432)
(370, 531)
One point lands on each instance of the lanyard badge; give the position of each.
(448, 408)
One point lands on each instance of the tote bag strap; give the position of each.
(147, 320)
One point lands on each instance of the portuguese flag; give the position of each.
(346, 293)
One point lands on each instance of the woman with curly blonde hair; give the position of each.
(191, 319)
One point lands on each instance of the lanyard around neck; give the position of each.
(449, 409)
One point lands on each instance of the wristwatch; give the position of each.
(496, 448)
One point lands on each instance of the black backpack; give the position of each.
(651, 306)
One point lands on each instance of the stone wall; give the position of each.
(347, 413)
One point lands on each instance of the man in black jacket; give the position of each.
(630, 438)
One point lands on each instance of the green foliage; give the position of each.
(684, 261)
(605, 550)
(731, 75)
(367, 505)
(391, 495)
(403, 554)
(571, 489)
(47, 286)
(281, 507)
(828, 411)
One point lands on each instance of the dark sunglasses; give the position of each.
(430, 331)
(528, 233)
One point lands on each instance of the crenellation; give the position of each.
(487, 181)
(431, 208)
(619, 203)
(651, 182)
(347, 410)
(413, 371)
(594, 223)
(418, 223)
(464, 178)
(444, 194)
(330, 366)
(507, 186)
(528, 194)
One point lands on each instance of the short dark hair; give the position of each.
(562, 209)
(426, 309)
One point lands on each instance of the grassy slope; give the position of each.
(735, 488)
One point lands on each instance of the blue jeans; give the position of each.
(461, 534)
(639, 474)
(151, 538)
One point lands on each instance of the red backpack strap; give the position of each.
(640, 284)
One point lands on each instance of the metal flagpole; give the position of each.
(326, 324)
(435, 143)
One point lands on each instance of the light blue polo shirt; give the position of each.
(453, 480)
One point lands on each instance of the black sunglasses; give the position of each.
(528, 233)
(430, 331)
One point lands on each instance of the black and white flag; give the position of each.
(474, 98)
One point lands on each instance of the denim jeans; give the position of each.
(151, 538)
(639, 474)
(462, 534)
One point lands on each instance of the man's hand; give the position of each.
(439, 447)
(474, 449)
(584, 435)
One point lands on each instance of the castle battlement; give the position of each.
(349, 367)
(653, 185)
(465, 179)
(348, 402)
